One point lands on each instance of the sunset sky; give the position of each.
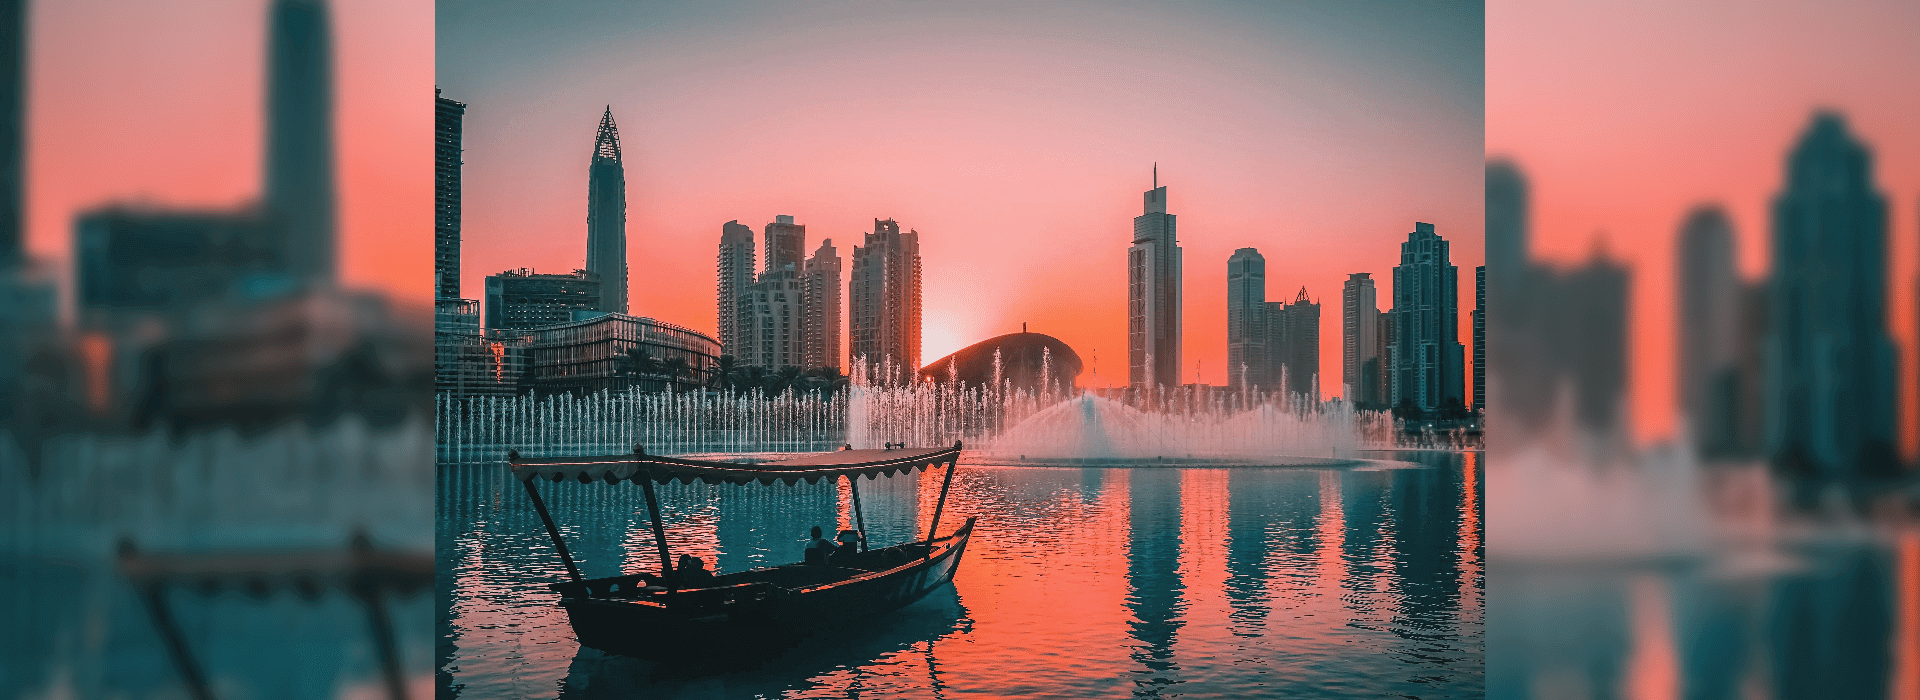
(1016, 141)
(153, 102)
(1625, 115)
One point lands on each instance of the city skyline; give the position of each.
(1021, 185)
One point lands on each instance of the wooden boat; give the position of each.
(664, 615)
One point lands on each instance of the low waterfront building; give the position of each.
(601, 353)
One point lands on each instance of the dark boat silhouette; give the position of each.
(668, 616)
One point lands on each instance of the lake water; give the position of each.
(1079, 582)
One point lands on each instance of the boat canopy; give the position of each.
(811, 468)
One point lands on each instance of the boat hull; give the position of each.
(757, 619)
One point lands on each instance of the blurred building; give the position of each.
(300, 188)
(1359, 339)
(1480, 338)
(1293, 344)
(1153, 295)
(526, 299)
(132, 263)
(605, 353)
(786, 244)
(1557, 332)
(607, 218)
(822, 298)
(1246, 320)
(1428, 356)
(1831, 375)
(734, 269)
(13, 106)
(447, 117)
(1719, 398)
(884, 298)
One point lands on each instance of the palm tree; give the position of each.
(786, 378)
(676, 366)
(635, 363)
(723, 372)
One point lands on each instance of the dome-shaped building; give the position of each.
(1021, 357)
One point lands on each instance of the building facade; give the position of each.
(447, 118)
(1359, 338)
(773, 324)
(1831, 385)
(526, 299)
(734, 270)
(1427, 354)
(469, 361)
(607, 218)
(1153, 296)
(1246, 320)
(1480, 338)
(596, 354)
(1293, 345)
(823, 301)
(786, 244)
(883, 294)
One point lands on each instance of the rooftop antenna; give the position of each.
(1156, 174)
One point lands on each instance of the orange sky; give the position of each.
(159, 102)
(1018, 144)
(1624, 115)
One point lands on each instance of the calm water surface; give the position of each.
(1094, 582)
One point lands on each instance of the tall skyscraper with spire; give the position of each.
(607, 217)
(300, 192)
(1153, 295)
(884, 295)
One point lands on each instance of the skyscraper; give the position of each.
(884, 296)
(607, 217)
(1830, 386)
(1708, 325)
(786, 244)
(1359, 342)
(735, 272)
(1153, 295)
(1293, 344)
(447, 115)
(1427, 354)
(820, 287)
(773, 324)
(1246, 320)
(13, 55)
(1480, 338)
(300, 167)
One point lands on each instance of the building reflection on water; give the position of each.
(1151, 582)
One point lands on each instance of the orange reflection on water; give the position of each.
(1333, 534)
(1653, 668)
(1906, 639)
(1470, 532)
(1203, 545)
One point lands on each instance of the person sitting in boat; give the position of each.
(692, 569)
(849, 546)
(818, 548)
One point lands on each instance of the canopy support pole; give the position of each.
(659, 531)
(552, 531)
(942, 505)
(859, 521)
